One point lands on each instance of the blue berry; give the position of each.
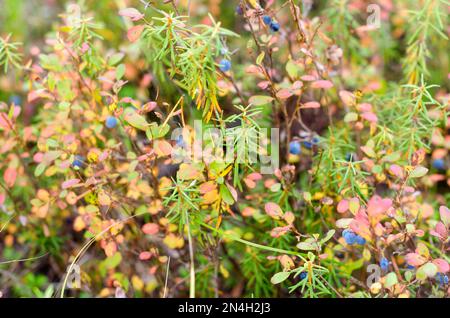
(315, 140)
(443, 279)
(360, 240)
(225, 65)
(384, 264)
(111, 122)
(350, 157)
(180, 141)
(78, 161)
(295, 148)
(410, 267)
(307, 144)
(439, 164)
(274, 26)
(267, 20)
(16, 99)
(349, 237)
(303, 275)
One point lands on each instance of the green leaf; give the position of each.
(260, 58)
(328, 236)
(292, 69)
(115, 58)
(134, 119)
(427, 270)
(226, 195)
(393, 157)
(390, 280)
(307, 246)
(120, 71)
(350, 117)
(279, 277)
(259, 100)
(155, 131)
(418, 172)
(40, 169)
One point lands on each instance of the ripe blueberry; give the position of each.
(360, 240)
(111, 122)
(384, 264)
(350, 157)
(225, 65)
(307, 144)
(267, 19)
(274, 26)
(78, 161)
(303, 275)
(439, 164)
(295, 148)
(349, 237)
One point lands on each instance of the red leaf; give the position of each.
(347, 97)
(10, 176)
(311, 105)
(131, 13)
(279, 231)
(342, 206)
(150, 228)
(134, 33)
(284, 93)
(273, 210)
(5, 123)
(442, 265)
(322, 84)
(70, 183)
(377, 205)
(415, 259)
(371, 117)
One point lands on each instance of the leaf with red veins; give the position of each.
(440, 231)
(273, 210)
(415, 259)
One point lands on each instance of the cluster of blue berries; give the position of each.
(351, 238)
(303, 275)
(295, 146)
(111, 122)
(443, 279)
(273, 25)
(439, 164)
(78, 161)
